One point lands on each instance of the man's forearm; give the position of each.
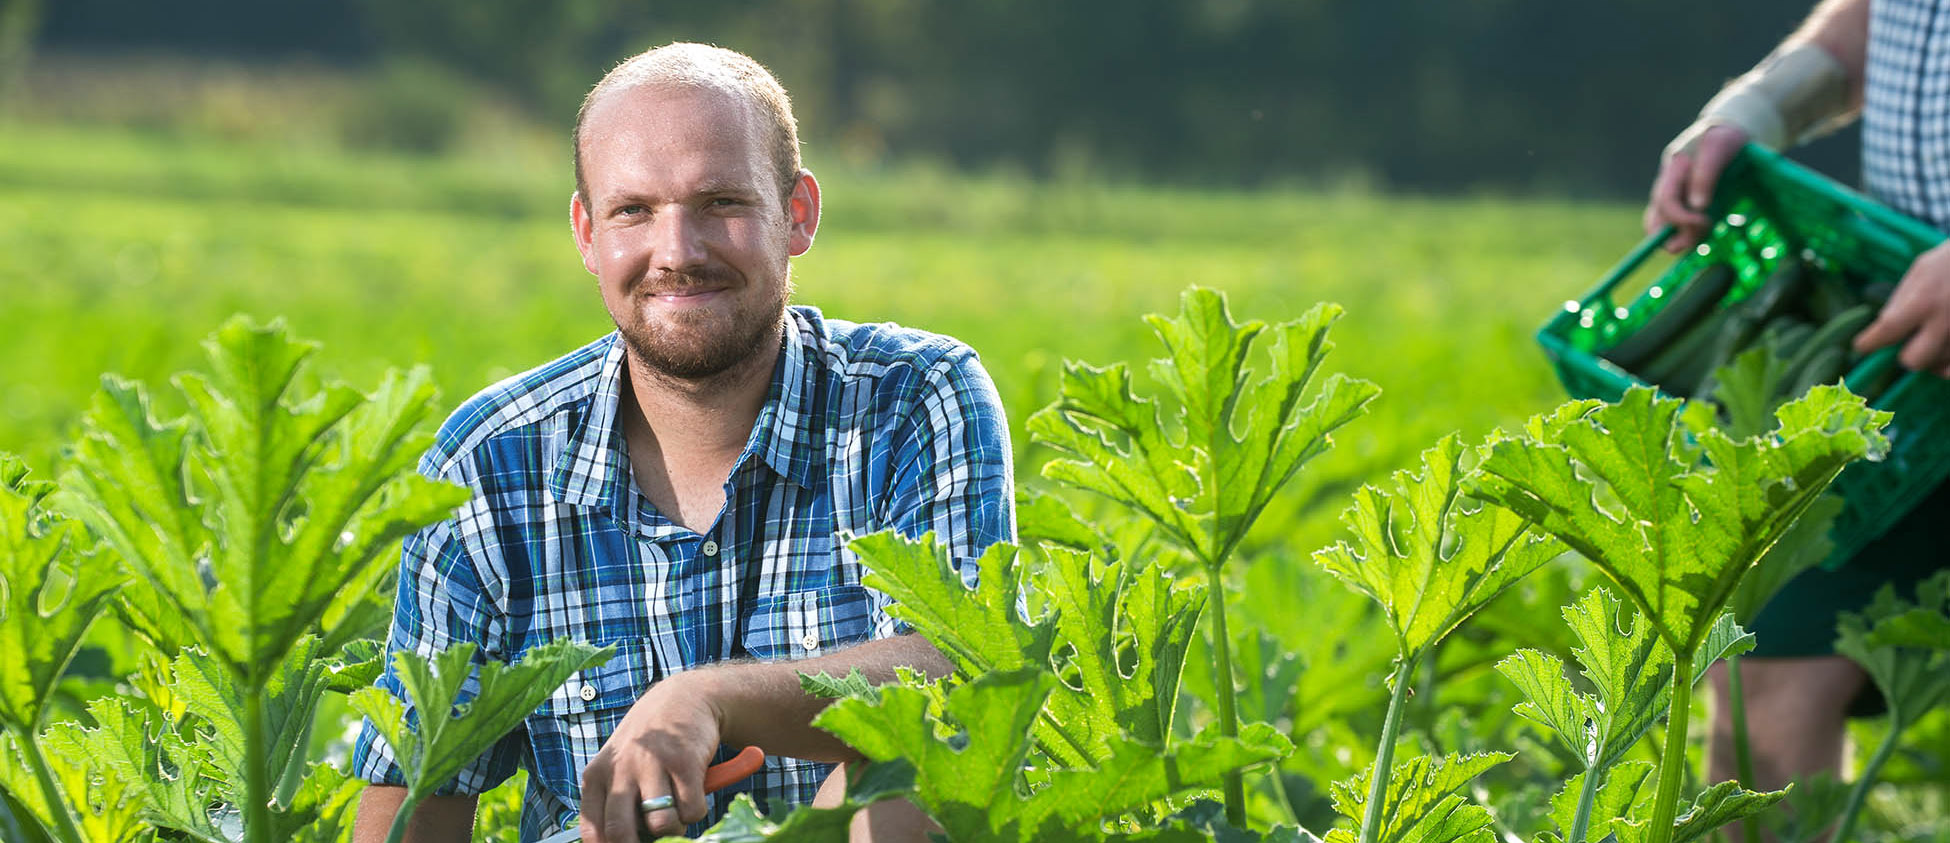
(1840, 27)
(440, 819)
(762, 704)
(1807, 87)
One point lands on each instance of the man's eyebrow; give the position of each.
(714, 187)
(623, 198)
(717, 187)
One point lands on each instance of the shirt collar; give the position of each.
(591, 469)
(788, 433)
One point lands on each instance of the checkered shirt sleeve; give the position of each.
(440, 603)
(953, 472)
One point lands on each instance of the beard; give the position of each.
(697, 345)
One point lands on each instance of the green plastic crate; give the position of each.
(1768, 208)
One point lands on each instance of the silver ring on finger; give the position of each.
(658, 803)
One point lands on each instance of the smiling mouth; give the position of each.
(686, 295)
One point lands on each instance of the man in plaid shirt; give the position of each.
(682, 489)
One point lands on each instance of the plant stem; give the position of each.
(1428, 685)
(1384, 756)
(1580, 830)
(1860, 793)
(1672, 758)
(1743, 757)
(1278, 782)
(43, 774)
(257, 787)
(1227, 688)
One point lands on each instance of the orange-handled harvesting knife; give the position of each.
(716, 777)
(720, 776)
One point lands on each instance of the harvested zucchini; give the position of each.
(1786, 336)
(1835, 334)
(1679, 368)
(1781, 292)
(1825, 364)
(1684, 307)
(1829, 296)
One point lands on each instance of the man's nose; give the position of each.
(677, 240)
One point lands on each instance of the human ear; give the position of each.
(584, 229)
(802, 211)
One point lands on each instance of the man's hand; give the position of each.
(1691, 170)
(661, 748)
(1919, 311)
(669, 736)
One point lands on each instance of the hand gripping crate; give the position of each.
(1767, 209)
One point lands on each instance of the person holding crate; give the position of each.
(1887, 61)
(683, 488)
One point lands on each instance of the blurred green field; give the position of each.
(119, 252)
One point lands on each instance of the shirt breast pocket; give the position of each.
(803, 624)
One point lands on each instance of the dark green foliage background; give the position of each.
(1527, 95)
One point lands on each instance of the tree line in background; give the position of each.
(1506, 95)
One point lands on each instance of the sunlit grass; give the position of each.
(119, 252)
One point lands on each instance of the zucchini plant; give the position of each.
(1905, 648)
(1430, 556)
(433, 750)
(52, 589)
(1202, 460)
(1631, 670)
(1043, 696)
(1059, 722)
(1748, 391)
(1071, 707)
(244, 547)
(1675, 514)
(260, 529)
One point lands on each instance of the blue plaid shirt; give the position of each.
(866, 428)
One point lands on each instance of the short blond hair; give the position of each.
(706, 67)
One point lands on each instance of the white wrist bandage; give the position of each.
(1796, 94)
(1791, 96)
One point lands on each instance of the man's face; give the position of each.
(685, 229)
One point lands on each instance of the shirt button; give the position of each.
(710, 548)
(588, 693)
(810, 642)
